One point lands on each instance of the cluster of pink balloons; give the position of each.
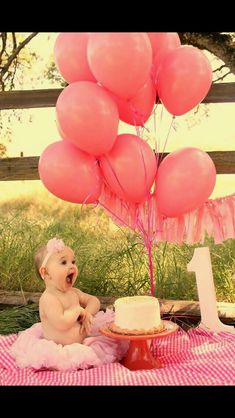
(117, 76)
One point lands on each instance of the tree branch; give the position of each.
(4, 41)
(14, 41)
(15, 53)
(222, 77)
(219, 68)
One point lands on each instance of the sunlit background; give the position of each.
(208, 127)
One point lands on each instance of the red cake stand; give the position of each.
(139, 355)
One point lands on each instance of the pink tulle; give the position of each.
(32, 350)
(216, 218)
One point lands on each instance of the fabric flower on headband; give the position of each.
(54, 245)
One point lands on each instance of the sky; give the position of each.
(214, 132)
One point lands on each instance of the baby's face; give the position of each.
(62, 269)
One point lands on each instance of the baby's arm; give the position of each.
(91, 305)
(58, 317)
(89, 302)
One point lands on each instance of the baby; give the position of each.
(66, 313)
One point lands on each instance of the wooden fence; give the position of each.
(172, 308)
(24, 99)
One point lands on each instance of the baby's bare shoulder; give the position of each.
(48, 297)
(76, 291)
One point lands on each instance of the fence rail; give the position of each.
(24, 99)
(181, 308)
(26, 168)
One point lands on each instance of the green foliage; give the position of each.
(51, 73)
(111, 262)
(16, 319)
(173, 279)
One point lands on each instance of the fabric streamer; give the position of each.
(216, 218)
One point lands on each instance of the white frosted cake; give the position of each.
(137, 315)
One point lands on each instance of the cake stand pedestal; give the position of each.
(139, 355)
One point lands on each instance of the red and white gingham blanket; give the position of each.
(195, 358)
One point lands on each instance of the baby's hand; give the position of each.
(71, 314)
(81, 315)
(86, 319)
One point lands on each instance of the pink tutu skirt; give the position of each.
(32, 350)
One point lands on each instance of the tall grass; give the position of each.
(111, 261)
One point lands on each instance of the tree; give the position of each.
(11, 57)
(220, 44)
(14, 56)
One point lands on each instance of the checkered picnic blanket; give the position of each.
(193, 358)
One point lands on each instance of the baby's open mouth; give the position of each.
(69, 278)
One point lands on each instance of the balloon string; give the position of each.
(154, 125)
(148, 240)
(149, 251)
(138, 131)
(96, 162)
(115, 175)
(147, 236)
(160, 130)
(155, 130)
(161, 157)
(135, 114)
(145, 171)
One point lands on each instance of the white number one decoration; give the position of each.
(201, 265)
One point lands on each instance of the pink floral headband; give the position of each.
(54, 245)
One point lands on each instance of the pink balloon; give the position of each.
(88, 117)
(184, 79)
(69, 173)
(185, 180)
(162, 43)
(137, 110)
(129, 168)
(70, 54)
(120, 61)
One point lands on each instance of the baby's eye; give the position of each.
(64, 262)
(74, 262)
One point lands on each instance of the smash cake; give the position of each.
(137, 315)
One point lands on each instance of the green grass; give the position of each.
(18, 318)
(111, 261)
